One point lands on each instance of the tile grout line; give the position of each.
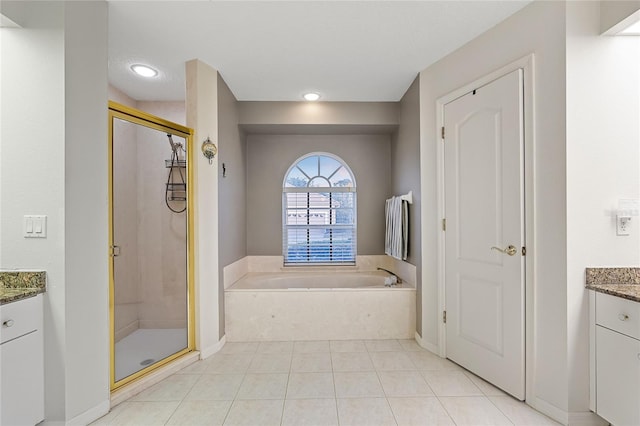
(498, 408)
(386, 397)
(286, 388)
(183, 398)
(335, 391)
(244, 376)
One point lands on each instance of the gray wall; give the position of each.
(270, 156)
(232, 207)
(319, 113)
(405, 176)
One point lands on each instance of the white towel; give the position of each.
(396, 228)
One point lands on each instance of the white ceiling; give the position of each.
(278, 50)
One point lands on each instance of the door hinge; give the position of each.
(442, 132)
(444, 224)
(524, 251)
(444, 317)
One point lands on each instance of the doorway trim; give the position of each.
(116, 110)
(525, 63)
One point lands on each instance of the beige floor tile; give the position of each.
(200, 413)
(228, 363)
(310, 385)
(215, 387)
(263, 412)
(473, 411)
(312, 346)
(310, 412)
(487, 388)
(410, 345)
(426, 360)
(389, 361)
(275, 348)
(239, 347)
(451, 383)
(383, 345)
(365, 411)
(519, 412)
(145, 413)
(263, 386)
(357, 385)
(310, 362)
(351, 361)
(425, 411)
(173, 388)
(111, 415)
(270, 363)
(347, 346)
(404, 383)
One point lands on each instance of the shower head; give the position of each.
(175, 146)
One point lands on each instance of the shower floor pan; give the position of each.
(145, 347)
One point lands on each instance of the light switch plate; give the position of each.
(35, 226)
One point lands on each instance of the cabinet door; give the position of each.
(617, 377)
(22, 381)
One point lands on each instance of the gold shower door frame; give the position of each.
(142, 118)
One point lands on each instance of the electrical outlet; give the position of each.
(622, 225)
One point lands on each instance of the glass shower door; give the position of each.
(150, 288)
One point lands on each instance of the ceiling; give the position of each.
(359, 51)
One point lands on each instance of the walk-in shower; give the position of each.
(150, 223)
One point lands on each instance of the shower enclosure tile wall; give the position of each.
(149, 293)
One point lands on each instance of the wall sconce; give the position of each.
(209, 150)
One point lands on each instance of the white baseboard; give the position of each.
(586, 418)
(90, 415)
(428, 346)
(207, 352)
(549, 410)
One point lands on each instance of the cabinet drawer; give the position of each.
(618, 314)
(19, 318)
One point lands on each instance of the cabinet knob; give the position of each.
(623, 317)
(8, 323)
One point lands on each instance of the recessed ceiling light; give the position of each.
(311, 96)
(144, 70)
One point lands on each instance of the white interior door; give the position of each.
(484, 238)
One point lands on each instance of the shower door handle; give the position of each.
(115, 251)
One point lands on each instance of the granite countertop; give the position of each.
(621, 282)
(18, 285)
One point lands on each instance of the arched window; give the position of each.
(319, 211)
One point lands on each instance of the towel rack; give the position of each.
(407, 197)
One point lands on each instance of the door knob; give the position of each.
(510, 250)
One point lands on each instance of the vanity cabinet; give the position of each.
(21, 362)
(616, 359)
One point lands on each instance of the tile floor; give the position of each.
(380, 382)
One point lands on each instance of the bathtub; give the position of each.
(317, 305)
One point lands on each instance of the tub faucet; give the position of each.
(398, 279)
